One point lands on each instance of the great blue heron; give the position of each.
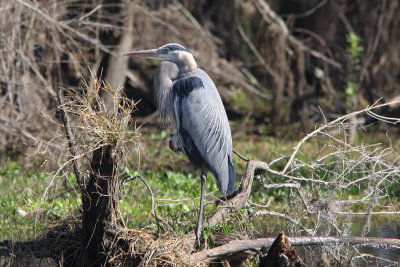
(187, 96)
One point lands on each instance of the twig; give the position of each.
(280, 185)
(389, 120)
(255, 51)
(308, 12)
(95, 42)
(71, 141)
(240, 156)
(153, 205)
(347, 213)
(284, 216)
(277, 160)
(265, 167)
(90, 13)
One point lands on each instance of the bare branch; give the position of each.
(80, 179)
(313, 133)
(58, 24)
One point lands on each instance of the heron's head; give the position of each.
(169, 52)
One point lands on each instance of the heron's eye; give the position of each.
(166, 50)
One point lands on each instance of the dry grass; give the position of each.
(97, 124)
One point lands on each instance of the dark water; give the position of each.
(389, 228)
(381, 226)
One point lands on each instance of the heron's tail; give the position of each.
(225, 176)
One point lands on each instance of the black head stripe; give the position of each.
(174, 47)
(177, 47)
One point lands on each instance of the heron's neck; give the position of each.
(186, 62)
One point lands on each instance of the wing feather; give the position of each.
(204, 127)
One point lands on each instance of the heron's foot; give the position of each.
(173, 143)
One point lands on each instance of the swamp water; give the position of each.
(381, 226)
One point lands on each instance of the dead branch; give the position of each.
(256, 52)
(270, 16)
(237, 200)
(284, 216)
(63, 26)
(323, 127)
(71, 140)
(262, 244)
(240, 196)
(24, 133)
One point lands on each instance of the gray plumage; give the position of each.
(188, 98)
(203, 128)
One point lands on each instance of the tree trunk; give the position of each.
(100, 205)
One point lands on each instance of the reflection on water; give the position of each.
(389, 229)
(381, 226)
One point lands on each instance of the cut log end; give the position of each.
(281, 254)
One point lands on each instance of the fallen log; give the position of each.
(262, 244)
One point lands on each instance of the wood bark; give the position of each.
(281, 254)
(100, 204)
(100, 195)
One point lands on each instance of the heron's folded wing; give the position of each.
(204, 127)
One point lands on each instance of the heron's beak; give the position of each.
(150, 53)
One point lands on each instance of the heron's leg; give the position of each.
(199, 226)
(173, 143)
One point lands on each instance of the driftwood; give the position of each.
(262, 244)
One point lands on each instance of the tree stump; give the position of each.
(100, 205)
(281, 254)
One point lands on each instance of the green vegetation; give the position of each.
(174, 184)
(354, 50)
(24, 214)
(175, 194)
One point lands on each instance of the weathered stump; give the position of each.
(100, 205)
(281, 254)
